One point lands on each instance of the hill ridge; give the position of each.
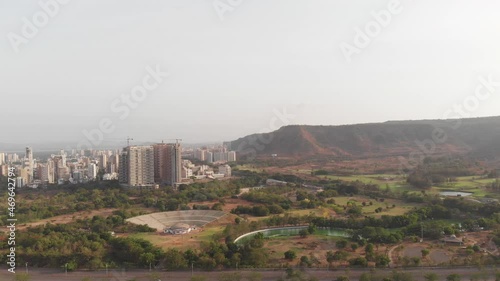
(475, 136)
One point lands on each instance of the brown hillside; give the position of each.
(477, 136)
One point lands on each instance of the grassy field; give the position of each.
(181, 242)
(248, 167)
(474, 185)
(399, 209)
(394, 182)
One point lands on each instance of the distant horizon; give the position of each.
(19, 147)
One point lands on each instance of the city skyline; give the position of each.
(143, 166)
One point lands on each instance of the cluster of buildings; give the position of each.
(75, 167)
(195, 172)
(134, 166)
(218, 155)
(152, 164)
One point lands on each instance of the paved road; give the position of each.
(322, 275)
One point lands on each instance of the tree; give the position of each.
(369, 251)
(304, 261)
(290, 255)
(22, 277)
(401, 276)
(341, 244)
(369, 248)
(198, 278)
(365, 277)
(311, 229)
(359, 261)
(337, 256)
(476, 248)
(303, 233)
(431, 276)
(330, 256)
(254, 276)
(174, 259)
(354, 246)
(453, 277)
(230, 276)
(382, 260)
(147, 258)
(425, 253)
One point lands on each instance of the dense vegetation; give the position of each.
(85, 243)
(436, 171)
(90, 243)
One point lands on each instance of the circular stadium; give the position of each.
(178, 222)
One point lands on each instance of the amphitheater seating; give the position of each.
(163, 220)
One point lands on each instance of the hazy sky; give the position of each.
(232, 70)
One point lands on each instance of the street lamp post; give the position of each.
(26, 268)
(422, 232)
(192, 268)
(66, 268)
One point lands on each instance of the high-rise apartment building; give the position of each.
(92, 171)
(123, 167)
(29, 164)
(200, 154)
(113, 164)
(168, 165)
(231, 156)
(4, 172)
(209, 157)
(103, 161)
(46, 172)
(137, 166)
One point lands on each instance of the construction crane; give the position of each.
(128, 140)
(176, 140)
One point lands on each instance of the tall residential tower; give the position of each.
(137, 166)
(168, 165)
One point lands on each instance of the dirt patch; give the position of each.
(310, 246)
(413, 251)
(440, 256)
(229, 204)
(63, 219)
(192, 240)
